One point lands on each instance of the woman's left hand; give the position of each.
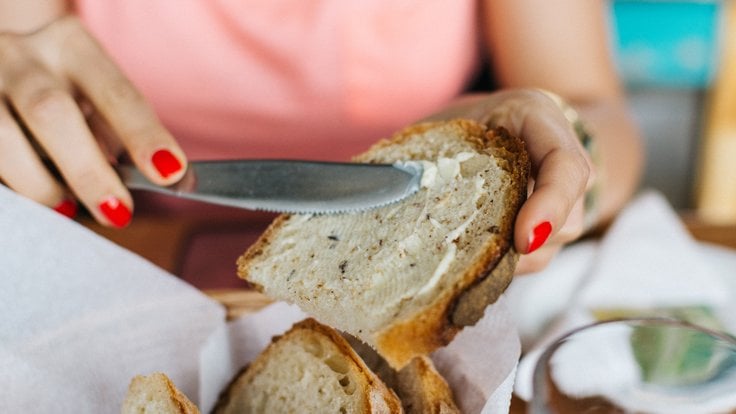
(562, 171)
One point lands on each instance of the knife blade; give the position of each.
(289, 186)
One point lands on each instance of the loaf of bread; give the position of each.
(309, 369)
(406, 277)
(156, 394)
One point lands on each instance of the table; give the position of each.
(151, 238)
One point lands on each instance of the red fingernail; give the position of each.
(539, 236)
(165, 163)
(116, 212)
(67, 208)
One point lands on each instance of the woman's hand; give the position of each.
(531, 43)
(68, 114)
(562, 170)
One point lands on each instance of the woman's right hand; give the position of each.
(68, 113)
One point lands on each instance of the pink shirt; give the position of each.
(320, 79)
(315, 79)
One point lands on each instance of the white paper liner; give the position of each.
(81, 316)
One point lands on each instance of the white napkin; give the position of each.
(646, 259)
(80, 317)
(537, 300)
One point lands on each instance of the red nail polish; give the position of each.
(165, 163)
(67, 208)
(116, 212)
(539, 236)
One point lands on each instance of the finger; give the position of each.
(149, 144)
(537, 261)
(559, 184)
(54, 119)
(22, 169)
(106, 138)
(573, 227)
(562, 174)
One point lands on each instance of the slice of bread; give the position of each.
(420, 387)
(423, 390)
(156, 394)
(309, 369)
(406, 277)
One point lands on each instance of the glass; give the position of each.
(642, 365)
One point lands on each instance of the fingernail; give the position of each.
(165, 163)
(116, 212)
(67, 208)
(539, 236)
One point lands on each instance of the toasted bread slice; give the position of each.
(405, 278)
(422, 390)
(420, 387)
(156, 394)
(309, 369)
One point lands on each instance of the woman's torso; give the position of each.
(319, 79)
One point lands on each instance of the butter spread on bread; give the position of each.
(406, 277)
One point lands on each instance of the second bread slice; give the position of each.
(309, 369)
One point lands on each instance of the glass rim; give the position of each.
(538, 403)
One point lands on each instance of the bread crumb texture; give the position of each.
(156, 394)
(309, 369)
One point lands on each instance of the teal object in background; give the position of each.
(672, 44)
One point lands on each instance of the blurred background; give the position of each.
(678, 61)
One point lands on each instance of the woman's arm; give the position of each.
(561, 47)
(564, 47)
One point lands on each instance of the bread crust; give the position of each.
(424, 390)
(150, 388)
(258, 247)
(420, 387)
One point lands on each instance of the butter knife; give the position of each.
(289, 186)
